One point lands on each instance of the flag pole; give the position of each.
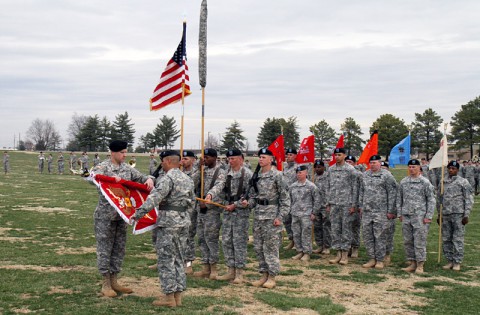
(202, 71)
(202, 188)
(181, 123)
(440, 216)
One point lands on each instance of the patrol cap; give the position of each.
(350, 158)
(319, 162)
(453, 164)
(233, 152)
(210, 152)
(414, 162)
(375, 157)
(188, 153)
(292, 151)
(383, 163)
(117, 145)
(300, 168)
(339, 150)
(166, 153)
(265, 151)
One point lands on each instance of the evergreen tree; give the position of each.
(466, 126)
(352, 131)
(104, 134)
(391, 130)
(233, 137)
(165, 133)
(425, 134)
(122, 129)
(324, 137)
(272, 128)
(88, 137)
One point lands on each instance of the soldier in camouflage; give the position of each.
(342, 198)
(378, 192)
(152, 164)
(356, 216)
(61, 163)
(6, 162)
(321, 224)
(41, 162)
(209, 221)
(174, 198)
(469, 173)
(235, 222)
(271, 203)
(390, 230)
(73, 161)
(50, 163)
(110, 229)
(96, 160)
(415, 208)
(290, 177)
(304, 202)
(457, 202)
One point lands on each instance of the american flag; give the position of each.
(173, 79)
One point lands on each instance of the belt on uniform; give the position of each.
(266, 202)
(167, 207)
(232, 199)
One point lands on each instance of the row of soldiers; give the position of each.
(82, 162)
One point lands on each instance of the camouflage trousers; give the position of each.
(453, 233)
(390, 235)
(111, 239)
(6, 167)
(40, 167)
(235, 239)
(192, 231)
(49, 168)
(208, 229)
(61, 168)
(266, 243)
(374, 226)
(170, 246)
(322, 229)
(415, 234)
(302, 233)
(341, 221)
(287, 222)
(356, 227)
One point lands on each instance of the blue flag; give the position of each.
(400, 154)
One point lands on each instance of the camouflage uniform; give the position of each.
(377, 198)
(356, 217)
(305, 200)
(415, 202)
(270, 203)
(342, 194)
(152, 166)
(6, 162)
(322, 225)
(110, 229)
(194, 174)
(457, 204)
(96, 161)
(49, 164)
(174, 198)
(41, 162)
(73, 161)
(61, 164)
(469, 174)
(209, 221)
(290, 177)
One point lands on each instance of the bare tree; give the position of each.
(77, 123)
(43, 134)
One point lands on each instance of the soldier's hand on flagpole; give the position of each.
(277, 222)
(427, 221)
(230, 208)
(400, 218)
(352, 210)
(149, 184)
(208, 197)
(391, 216)
(465, 220)
(312, 217)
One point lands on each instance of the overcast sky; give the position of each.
(313, 59)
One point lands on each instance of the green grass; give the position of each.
(286, 302)
(362, 277)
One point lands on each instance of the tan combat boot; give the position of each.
(336, 259)
(387, 260)
(344, 258)
(167, 300)
(189, 268)
(238, 276)
(178, 298)
(448, 266)
(326, 251)
(411, 267)
(230, 275)
(370, 264)
(270, 284)
(153, 267)
(419, 268)
(305, 257)
(317, 251)
(354, 252)
(261, 281)
(107, 287)
(289, 246)
(213, 272)
(456, 267)
(117, 287)
(379, 265)
(298, 256)
(204, 273)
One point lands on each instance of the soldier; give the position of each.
(60, 163)
(356, 216)
(289, 174)
(321, 224)
(152, 164)
(469, 173)
(457, 202)
(390, 230)
(110, 229)
(305, 201)
(377, 204)
(49, 163)
(41, 162)
(209, 221)
(174, 198)
(248, 165)
(235, 223)
(73, 161)
(272, 203)
(96, 160)
(424, 167)
(415, 208)
(342, 197)
(84, 161)
(6, 162)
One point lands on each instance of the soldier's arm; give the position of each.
(283, 198)
(139, 177)
(219, 185)
(467, 199)
(155, 197)
(354, 191)
(391, 187)
(317, 200)
(361, 192)
(399, 201)
(431, 201)
(246, 180)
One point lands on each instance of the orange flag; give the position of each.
(340, 144)
(278, 149)
(370, 149)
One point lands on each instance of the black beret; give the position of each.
(383, 163)
(301, 168)
(292, 151)
(233, 152)
(166, 153)
(414, 162)
(210, 152)
(265, 151)
(453, 164)
(188, 153)
(375, 157)
(319, 162)
(339, 150)
(117, 145)
(350, 158)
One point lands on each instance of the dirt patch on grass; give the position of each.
(44, 209)
(59, 290)
(47, 268)
(22, 310)
(75, 251)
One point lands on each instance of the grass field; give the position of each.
(48, 265)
